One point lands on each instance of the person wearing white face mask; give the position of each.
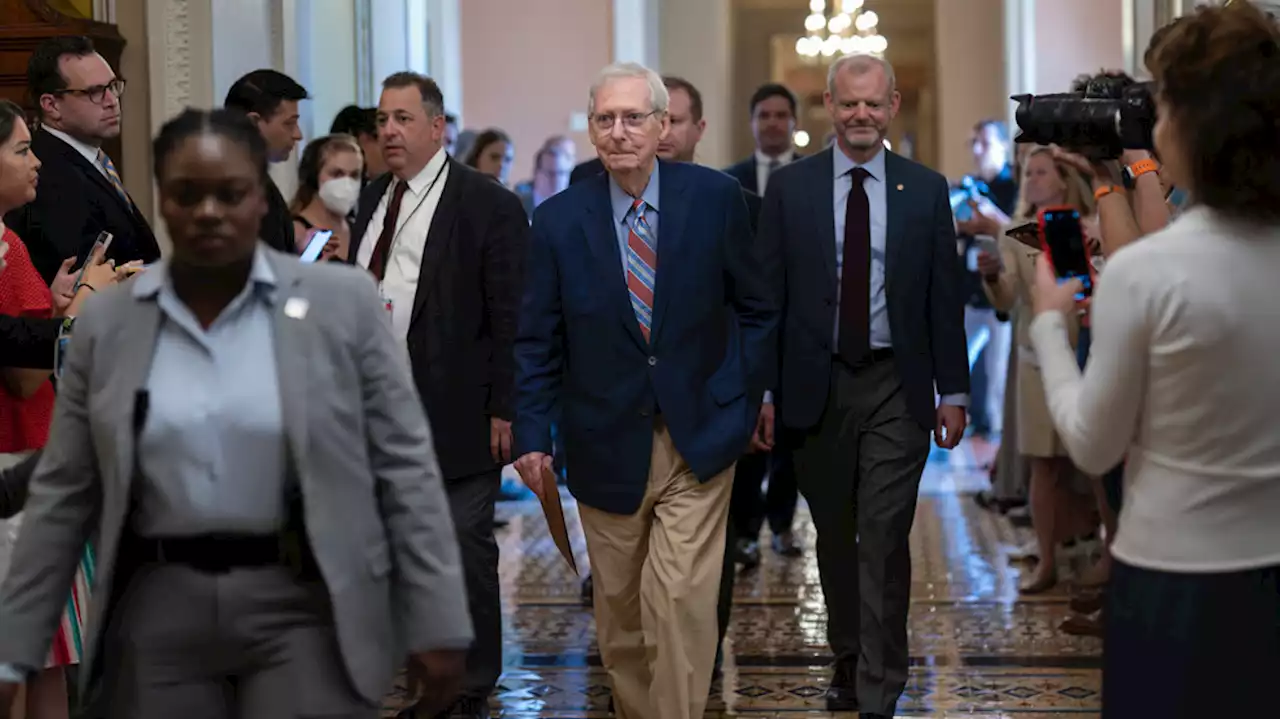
(328, 187)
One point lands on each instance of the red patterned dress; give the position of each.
(24, 427)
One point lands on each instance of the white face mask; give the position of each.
(340, 195)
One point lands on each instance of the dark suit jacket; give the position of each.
(277, 225)
(75, 202)
(580, 347)
(585, 170)
(464, 313)
(923, 284)
(28, 342)
(745, 173)
(14, 482)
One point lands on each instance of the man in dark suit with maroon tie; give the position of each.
(873, 331)
(447, 246)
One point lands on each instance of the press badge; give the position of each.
(60, 347)
(387, 304)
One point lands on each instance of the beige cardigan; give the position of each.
(1011, 291)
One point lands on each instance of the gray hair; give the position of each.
(659, 98)
(861, 63)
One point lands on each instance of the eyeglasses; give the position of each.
(630, 120)
(97, 92)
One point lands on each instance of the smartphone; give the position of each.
(316, 245)
(987, 244)
(1063, 241)
(104, 239)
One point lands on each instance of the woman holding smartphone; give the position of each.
(26, 395)
(1183, 380)
(1007, 280)
(328, 187)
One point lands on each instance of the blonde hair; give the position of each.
(1078, 194)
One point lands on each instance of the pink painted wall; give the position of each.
(527, 68)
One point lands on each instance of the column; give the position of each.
(695, 44)
(444, 50)
(636, 31)
(970, 78)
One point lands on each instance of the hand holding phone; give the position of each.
(316, 245)
(1066, 248)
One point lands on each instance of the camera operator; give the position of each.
(1183, 379)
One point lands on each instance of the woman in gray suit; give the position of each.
(239, 434)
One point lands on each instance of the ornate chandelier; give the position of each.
(840, 27)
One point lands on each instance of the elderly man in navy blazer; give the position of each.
(874, 331)
(649, 317)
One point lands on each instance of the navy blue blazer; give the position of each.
(924, 285)
(713, 345)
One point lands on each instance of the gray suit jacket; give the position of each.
(373, 501)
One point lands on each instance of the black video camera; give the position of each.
(1112, 114)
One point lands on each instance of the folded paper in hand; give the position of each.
(554, 513)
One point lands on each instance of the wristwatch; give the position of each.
(1132, 172)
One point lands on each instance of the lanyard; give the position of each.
(395, 235)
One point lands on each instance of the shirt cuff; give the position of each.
(768, 396)
(954, 400)
(15, 674)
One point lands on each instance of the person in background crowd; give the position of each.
(1182, 382)
(362, 124)
(873, 362)
(328, 189)
(450, 134)
(26, 394)
(551, 170)
(447, 246)
(773, 124)
(270, 99)
(996, 188)
(81, 193)
(186, 356)
(673, 386)
(491, 154)
(1008, 281)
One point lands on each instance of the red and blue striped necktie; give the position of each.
(642, 266)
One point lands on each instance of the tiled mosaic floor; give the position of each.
(977, 648)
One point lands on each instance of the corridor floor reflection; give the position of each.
(977, 648)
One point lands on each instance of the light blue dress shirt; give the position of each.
(877, 199)
(621, 203)
(212, 454)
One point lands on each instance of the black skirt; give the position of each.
(1191, 645)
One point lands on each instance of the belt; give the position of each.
(211, 553)
(875, 356)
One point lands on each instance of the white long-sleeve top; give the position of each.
(1184, 381)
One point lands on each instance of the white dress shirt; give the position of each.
(404, 261)
(1183, 379)
(762, 167)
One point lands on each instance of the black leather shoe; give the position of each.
(747, 553)
(867, 715)
(588, 591)
(468, 708)
(842, 694)
(786, 545)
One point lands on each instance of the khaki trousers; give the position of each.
(657, 579)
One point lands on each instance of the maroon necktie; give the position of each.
(855, 273)
(378, 260)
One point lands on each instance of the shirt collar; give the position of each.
(262, 278)
(786, 157)
(621, 202)
(421, 181)
(842, 164)
(89, 152)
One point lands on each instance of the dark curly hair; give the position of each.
(1217, 74)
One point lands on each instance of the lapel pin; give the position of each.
(899, 188)
(296, 308)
